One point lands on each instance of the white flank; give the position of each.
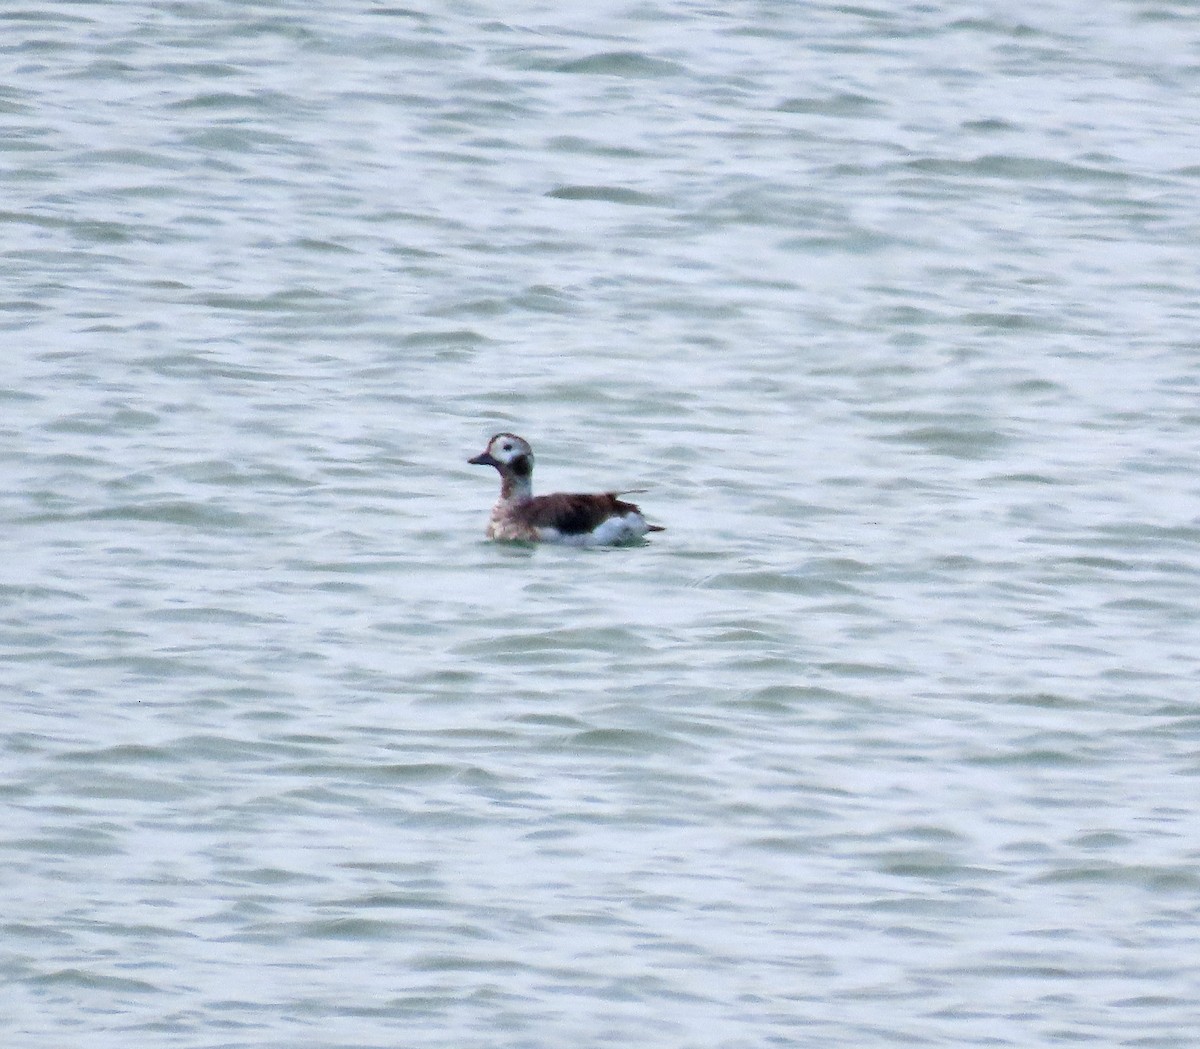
(615, 530)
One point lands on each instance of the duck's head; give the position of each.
(508, 453)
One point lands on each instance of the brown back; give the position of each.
(572, 513)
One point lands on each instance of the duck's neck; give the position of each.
(515, 488)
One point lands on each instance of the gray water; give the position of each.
(891, 739)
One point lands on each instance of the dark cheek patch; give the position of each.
(521, 466)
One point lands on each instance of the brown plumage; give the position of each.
(574, 513)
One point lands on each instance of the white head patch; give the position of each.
(505, 447)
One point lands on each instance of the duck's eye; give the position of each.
(508, 447)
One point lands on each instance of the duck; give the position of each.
(574, 518)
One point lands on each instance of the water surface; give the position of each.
(889, 739)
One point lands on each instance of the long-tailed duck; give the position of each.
(565, 517)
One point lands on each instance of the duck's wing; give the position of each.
(573, 513)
